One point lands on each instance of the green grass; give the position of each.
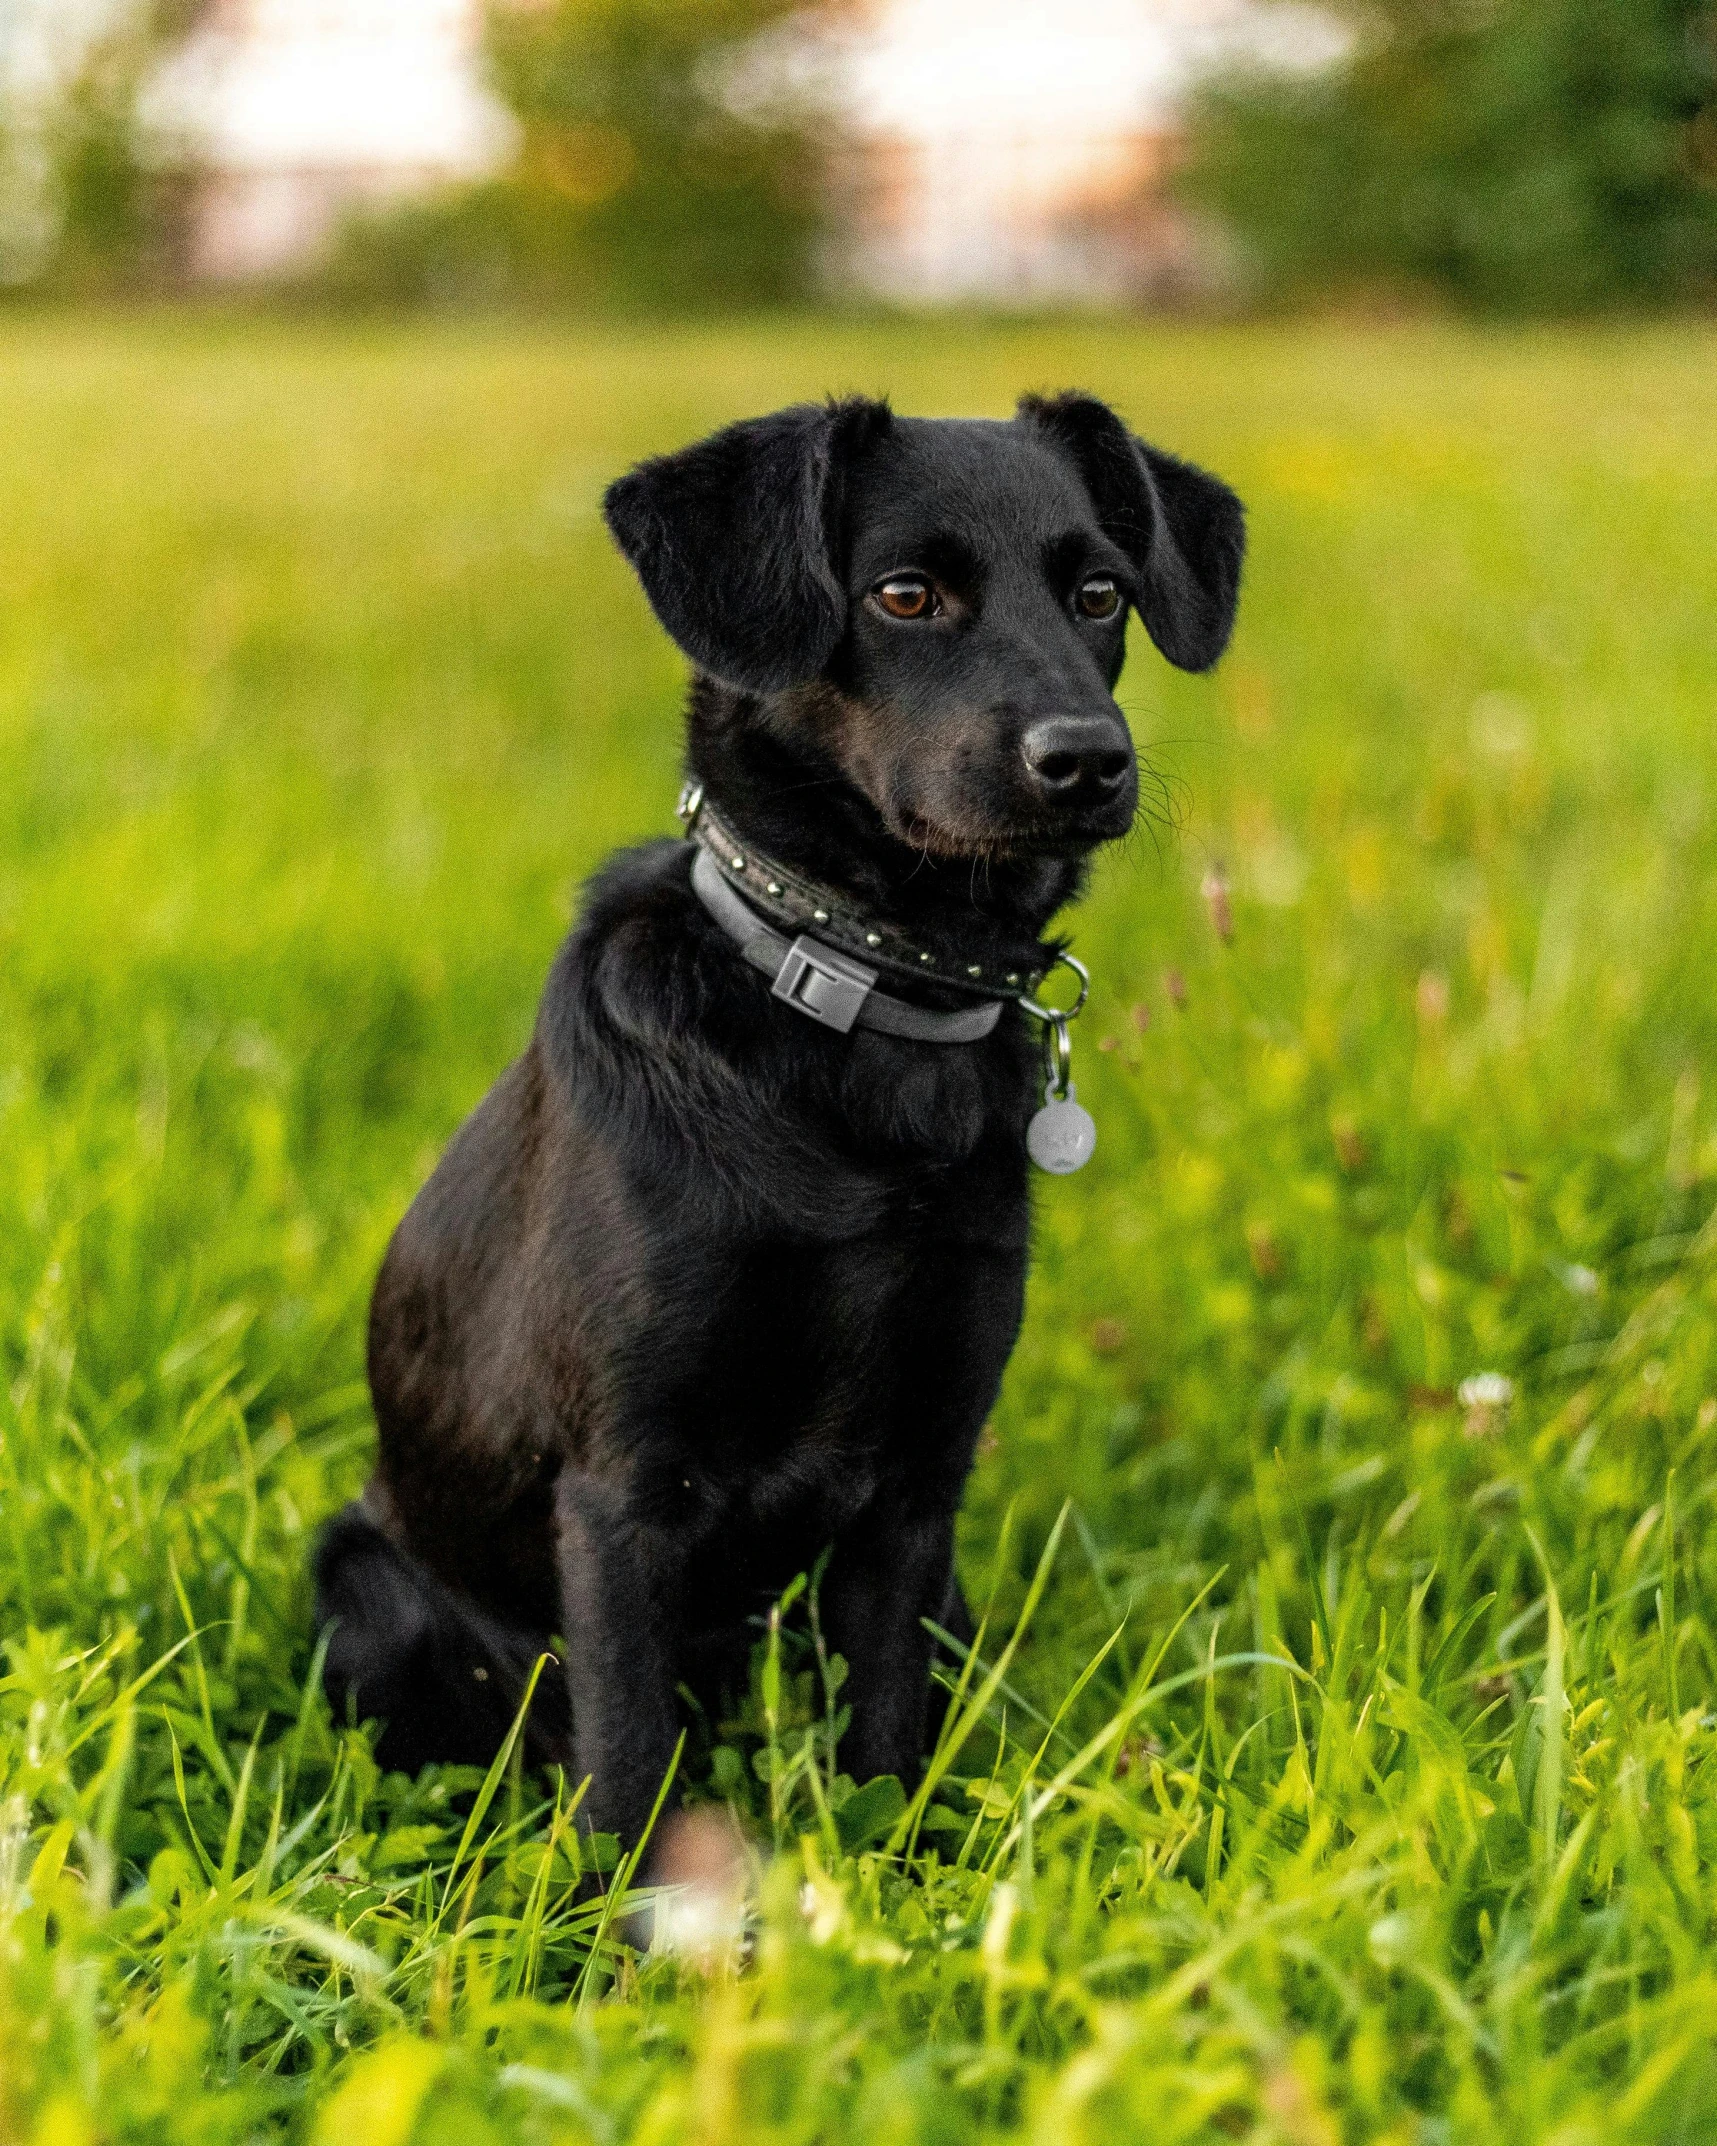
(1354, 1776)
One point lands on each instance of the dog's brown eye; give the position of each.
(907, 597)
(1099, 597)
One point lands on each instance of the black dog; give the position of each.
(720, 1275)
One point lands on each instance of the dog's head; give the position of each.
(939, 606)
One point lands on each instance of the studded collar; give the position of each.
(796, 904)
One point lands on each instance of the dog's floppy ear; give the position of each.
(1184, 530)
(736, 541)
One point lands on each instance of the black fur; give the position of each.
(735, 541)
(1184, 531)
(702, 1287)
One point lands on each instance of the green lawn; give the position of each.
(1354, 1776)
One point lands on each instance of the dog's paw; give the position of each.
(701, 1875)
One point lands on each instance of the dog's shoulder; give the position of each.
(652, 1025)
(644, 967)
(652, 879)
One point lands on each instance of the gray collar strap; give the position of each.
(794, 904)
(827, 985)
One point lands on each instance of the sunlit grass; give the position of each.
(1336, 1761)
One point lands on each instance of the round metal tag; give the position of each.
(1061, 1138)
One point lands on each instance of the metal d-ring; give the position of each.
(1063, 1014)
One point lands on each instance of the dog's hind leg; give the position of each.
(956, 1618)
(444, 1679)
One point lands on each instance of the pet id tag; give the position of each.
(1061, 1137)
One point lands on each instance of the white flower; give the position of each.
(1485, 1389)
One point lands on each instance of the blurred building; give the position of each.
(1018, 217)
(1005, 151)
(1013, 152)
(298, 110)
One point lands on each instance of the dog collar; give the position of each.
(804, 907)
(828, 985)
(831, 986)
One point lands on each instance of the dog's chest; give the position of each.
(792, 1380)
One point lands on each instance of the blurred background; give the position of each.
(1513, 156)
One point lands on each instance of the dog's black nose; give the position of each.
(1072, 758)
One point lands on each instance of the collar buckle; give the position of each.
(824, 984)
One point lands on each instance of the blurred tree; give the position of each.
(1518, 155)
(25, 233)
(93, 202)
(102, 197)
(642, 179)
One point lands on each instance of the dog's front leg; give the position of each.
(619, 1587)
(883, 1582)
